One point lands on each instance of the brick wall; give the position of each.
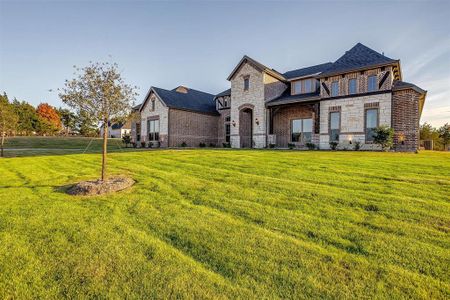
(405, 120)
(361, 79)
(192, 128)
(221, 127)
(282, 123)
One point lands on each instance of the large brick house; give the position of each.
(339, 102)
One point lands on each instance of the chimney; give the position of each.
(182, 89)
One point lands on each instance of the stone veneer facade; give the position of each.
(353, 118)
(262, 88)
(161, 112)
(254, 97)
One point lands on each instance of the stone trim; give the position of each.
(372, 105)
(334, 109)
(246, 105)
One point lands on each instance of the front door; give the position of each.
(246, 127)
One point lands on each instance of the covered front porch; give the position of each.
(294, 124)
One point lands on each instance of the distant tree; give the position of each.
(99, 91)
(28, 117)
(85, 125)
(384, 136)
(8, 120)
(428, 132)
(49, 119)
(444, 134)
(68, 119)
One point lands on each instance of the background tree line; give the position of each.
(440, 136)
(44, 120)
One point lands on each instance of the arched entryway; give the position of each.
(246, 126)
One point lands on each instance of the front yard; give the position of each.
(228, 224)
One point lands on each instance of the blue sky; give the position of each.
(197, 44)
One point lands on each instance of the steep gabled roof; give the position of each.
(192, 100)
(308, 71)
(259, 66)
(358, 57)
(224, 93)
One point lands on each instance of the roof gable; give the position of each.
(358, 57)
(188, 99)
(257, 65)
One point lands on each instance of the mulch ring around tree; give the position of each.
(98, 187)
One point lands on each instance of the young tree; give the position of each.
(444, 134)
(99, 91)
(384, 136)
(8, 120)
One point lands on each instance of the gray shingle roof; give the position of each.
(402, 85)
(359, 56)
(224, 93)
(307, 71)
(193, 100)
(287, 98)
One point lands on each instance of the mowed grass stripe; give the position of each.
(265, 235)
(343, 243)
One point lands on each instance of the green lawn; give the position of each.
(228, 224)
(38, 145)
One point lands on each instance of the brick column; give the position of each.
(405, 120)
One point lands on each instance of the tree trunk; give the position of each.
(3, 141)
(105, 144)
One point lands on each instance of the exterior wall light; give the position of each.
(233, 123)
(257, 121)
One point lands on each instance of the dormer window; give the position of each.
(246, 83)
(308, 86)
(297, 87)
(225, 102)
(304, 86)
